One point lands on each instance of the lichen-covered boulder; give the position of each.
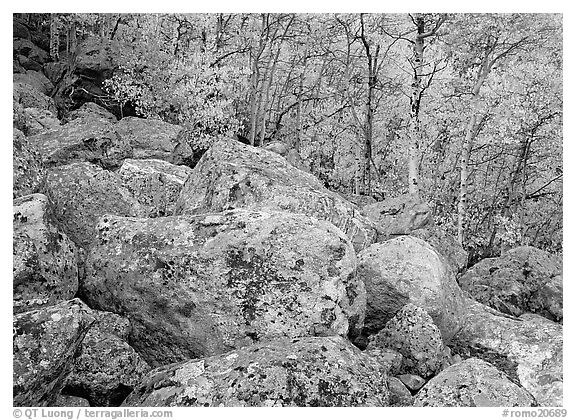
(45, 268)
(528, 349)
(472, 383)
(81, 193)
(28, 171)
(195, 286)
(94, 56)
(234, 175)
(30, 97)
(398, 216)
(150, 138)
(35, 79)
(107, 368)
(407, 269)
(155, 183)
(524, 279)
(90, 110)
(412, 333)
(445, 244)
(302, 372)
(45, 342)
(83, 140)
(38, 120)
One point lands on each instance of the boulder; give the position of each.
(195, 286)
(234, 175)
(524, 279)
(86, 140)
(412, 382)
(28, 172)
(81, 193)
(407, 269)
(38, 120)
(28, 49)
(94, 57)
(30, 97)
(108, 368)
(302, 372)
(45, 268)
(400, 396)
(398, 216)
(528, 349)
(412, 333)
(278, 147)
(155, 183)
(28, 64)
(17, 67)
(472, 383)
(35, 79)
(90, 110)
(150, 138)
(445, 244)
(44, 344)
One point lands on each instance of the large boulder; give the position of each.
(524, 279)
(528, 349)
(20, 29)
(407, 269)
(28, 171)
(155, 183)
(86, 140)
(45, 268)
(30, 97)
(234, 175)
(445, 244)
(90, 110)
(304, 372)
(413, 334)
(45, 342)
(150, 138)
(28, 49)
(94, 57)
(107, 368)
(35, 79)
(38, 120)
(398, 216)
(81, 193)
(196, 286)
(472, 383)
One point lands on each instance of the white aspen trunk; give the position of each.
(54, 37)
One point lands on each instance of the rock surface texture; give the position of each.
(81, 193)
(413, 334)
(45, 266)
(524, 279)
(195, 286)
(528, 349)
(45, 342)
(232, 175)
(472, 383)
(407, 269)
(312, 371)
(83, 140)
(398, 216)
(28, 171)
(156, 184)
(150, 139)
